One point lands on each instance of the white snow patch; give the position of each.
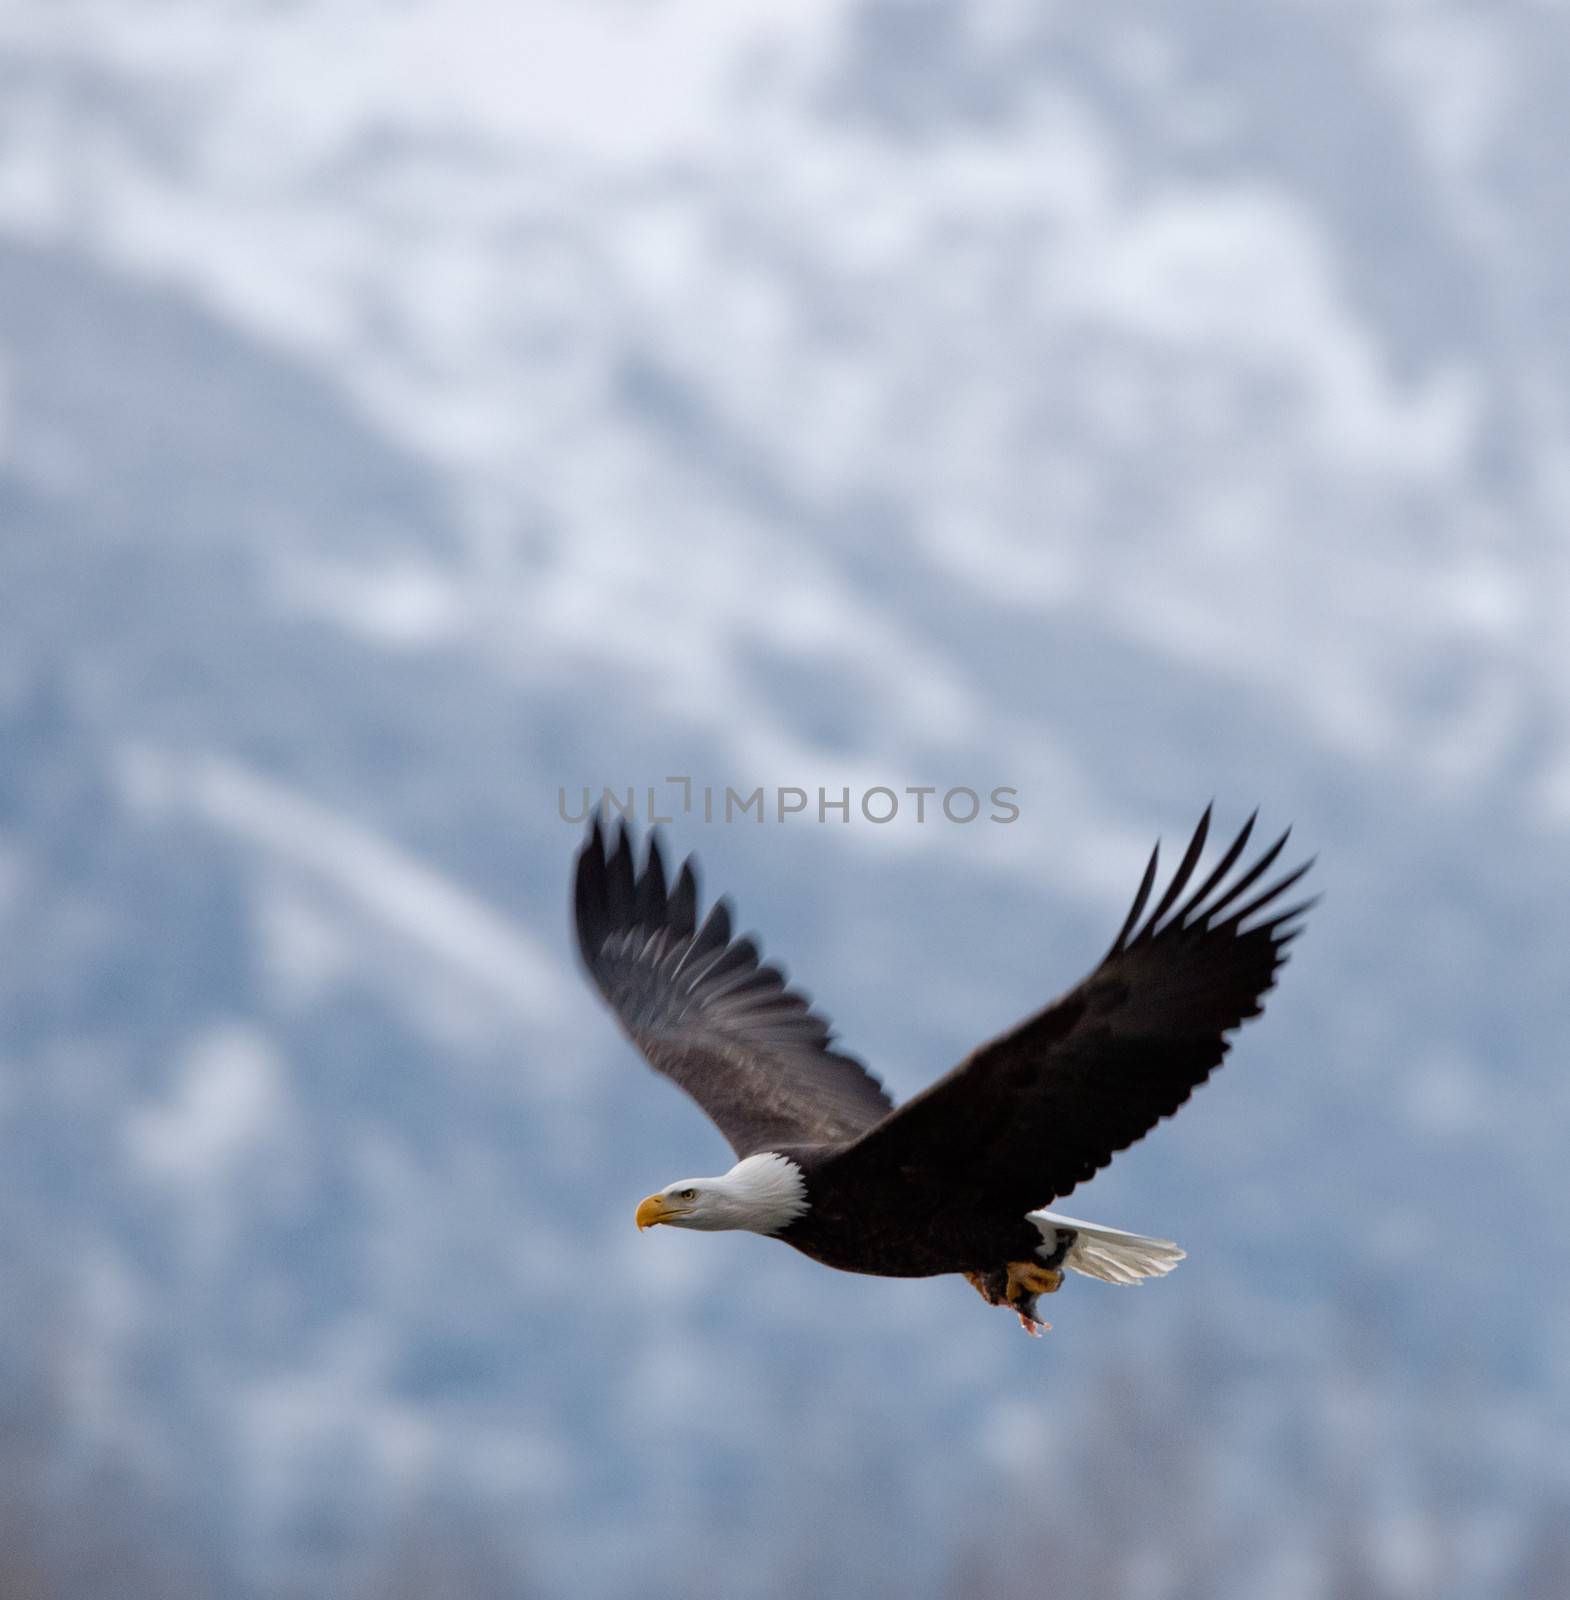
(230, 1090)
(385, 881)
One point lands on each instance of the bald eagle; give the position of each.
(954, 1180)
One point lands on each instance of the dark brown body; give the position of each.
(893, 1230)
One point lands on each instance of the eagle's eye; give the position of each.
(688, 1194)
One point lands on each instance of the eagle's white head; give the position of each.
(761, 1194)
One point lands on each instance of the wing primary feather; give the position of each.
(649, 909)
(681, 909)
(1179, 878)
(589, 904)
(1248, 879)
(1139, 900)
(1223, 867)
(621, 881)
(1282, 918)
(1260, 901)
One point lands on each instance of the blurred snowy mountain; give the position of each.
(410, 409)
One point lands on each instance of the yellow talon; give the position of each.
(1027, 1278)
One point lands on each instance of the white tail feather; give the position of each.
(1107, 1253)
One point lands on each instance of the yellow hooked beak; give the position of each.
(655, 1210)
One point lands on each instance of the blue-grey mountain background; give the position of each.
(408, 410)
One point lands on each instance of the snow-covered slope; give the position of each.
(407, 410)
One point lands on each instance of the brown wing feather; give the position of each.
(1031, 1114)
(706, 1011)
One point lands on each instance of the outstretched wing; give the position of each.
(707, 1013)
(1028, 1116)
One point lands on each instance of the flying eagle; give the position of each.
(952, 1181)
